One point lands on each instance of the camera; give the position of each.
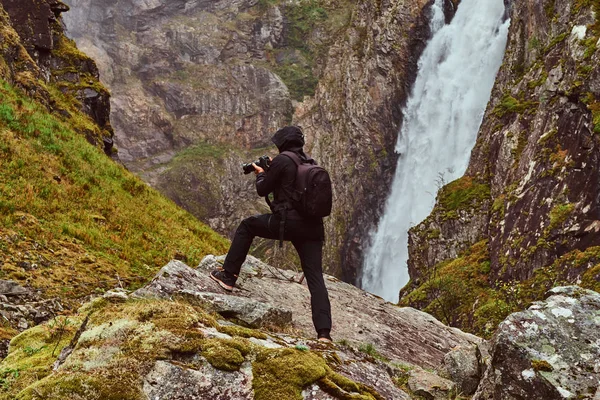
(262, 162)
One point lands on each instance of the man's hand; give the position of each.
(257, 169)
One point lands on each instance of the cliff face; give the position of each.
(526, 215)
(354, 118)
(52, 69)
(199, 87)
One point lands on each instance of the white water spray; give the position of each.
(441, 119)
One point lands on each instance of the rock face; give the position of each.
(549, 351)
(51, 69)
(193, 94)
(530, 206)
(199, 87)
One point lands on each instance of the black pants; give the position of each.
(307, 237)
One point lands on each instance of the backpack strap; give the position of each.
(296, 158)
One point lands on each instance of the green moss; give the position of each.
(119, 385)
(283, 373)
(453, 286)
(594, 107)
(556, 40)
(31, 355)
(559, 214)
(464, 193)
(241, 331)
(223, 355)
(510, 105)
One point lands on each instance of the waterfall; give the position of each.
(442, 116)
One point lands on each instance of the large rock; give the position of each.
(465, 367)
(358, 317)
(430, 386)
(177, 279)
(549, 351)
(172, 347)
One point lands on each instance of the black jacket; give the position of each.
(281, 176)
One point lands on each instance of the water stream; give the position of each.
(443, 113)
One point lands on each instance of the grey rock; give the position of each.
(167, 381)
(463, 366)
(549, 351)
(116, 295)
(358, 317)
(177, 279)
(11, 288)
(254, 313)
(430, 386)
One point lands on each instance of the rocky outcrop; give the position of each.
(531, 205)
(180, 337)
(44, 62)
(549, 351)
(381, 324)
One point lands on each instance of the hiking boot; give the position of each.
(224, 279)
(323, 336)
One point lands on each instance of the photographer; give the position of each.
(285, 223)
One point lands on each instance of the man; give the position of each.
(306, 234)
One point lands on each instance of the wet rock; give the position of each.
(430, 386)
(549, 351)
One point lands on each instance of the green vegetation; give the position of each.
(463, 193)
(510, 105)
(454, 286)
(297, 61)
(559, 214)
(84, 211)
(372, 351)
(123, 340)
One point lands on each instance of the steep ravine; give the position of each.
(199, 87)
(526, 215)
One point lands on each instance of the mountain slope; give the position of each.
(72, 221)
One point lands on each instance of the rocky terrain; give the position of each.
(199, 87)
(525, 217)
(182, 337)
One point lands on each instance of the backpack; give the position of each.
(313, 195)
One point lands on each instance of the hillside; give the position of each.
(74, 222)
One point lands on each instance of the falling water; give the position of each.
(441, 119)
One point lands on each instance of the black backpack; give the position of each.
(313, 195)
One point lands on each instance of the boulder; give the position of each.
(430, 386)
(177, 279)
(463, 365)
(549, 351)
(358, 317)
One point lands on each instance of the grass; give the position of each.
(76, 211)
